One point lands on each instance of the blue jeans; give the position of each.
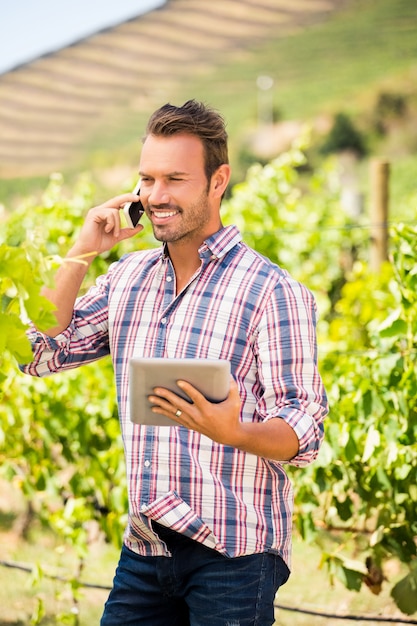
(196, 586)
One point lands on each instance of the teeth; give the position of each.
(164, 213)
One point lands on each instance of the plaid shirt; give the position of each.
(238, 306)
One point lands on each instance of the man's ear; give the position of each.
(220, 180)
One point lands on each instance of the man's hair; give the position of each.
(194, 118)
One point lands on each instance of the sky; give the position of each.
(30, 28)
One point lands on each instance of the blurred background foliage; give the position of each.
(59, 436)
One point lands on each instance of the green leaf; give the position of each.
(344, 509)
(373, 440)
(393, 325)
(40, 310)
(38, 612)
(350, 572)
(377, 536)
(404, 593)
(13, 338)
(350, 578)
(306, 527)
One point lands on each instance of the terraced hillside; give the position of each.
(51, 106)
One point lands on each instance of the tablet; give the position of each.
(211, 377)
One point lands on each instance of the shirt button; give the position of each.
(147, 463)
(169, 278)
(143, 507)
(164, 320)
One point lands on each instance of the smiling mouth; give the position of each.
(164, 214)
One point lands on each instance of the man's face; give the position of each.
(175, 191)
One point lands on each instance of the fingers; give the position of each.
(125, 233)
(168, 400)
(119, 201)
(107, 217)
(112, 222)
(170, 404)
(197, 398)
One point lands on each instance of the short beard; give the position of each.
(194, 218)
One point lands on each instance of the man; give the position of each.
(209, 531)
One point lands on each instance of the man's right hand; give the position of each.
(100, 232)
(102, 229)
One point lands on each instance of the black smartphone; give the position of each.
(134, 210)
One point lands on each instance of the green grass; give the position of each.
(308, 587)
(21, 592)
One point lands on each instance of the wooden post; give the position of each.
(379, 213)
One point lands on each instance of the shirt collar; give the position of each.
(217, 245)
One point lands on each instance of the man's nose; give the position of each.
(158, 194)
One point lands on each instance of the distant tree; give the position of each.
(388, 107)
(343, 136)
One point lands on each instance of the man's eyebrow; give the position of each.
(175, 173)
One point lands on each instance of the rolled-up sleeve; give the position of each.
(85, 340)
(292, 386)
